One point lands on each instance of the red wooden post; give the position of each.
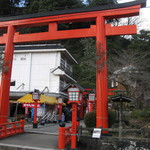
(22, 125)
(74, 126)
(101, 75)
(6, 75)
(35, 114)
(14, 129)
(61, 138)
(4, 131)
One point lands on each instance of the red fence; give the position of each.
(64, 137)
(12, 128)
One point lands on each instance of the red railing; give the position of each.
(64, 137)
(12, 128)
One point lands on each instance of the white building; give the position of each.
(46, 67)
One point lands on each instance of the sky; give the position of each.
(144, 15)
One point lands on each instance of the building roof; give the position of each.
(43, 99)
(73, 85)
(121, 98)
(35, 48)
(79, 10)
(39, 46)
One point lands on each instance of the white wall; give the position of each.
(34, 70)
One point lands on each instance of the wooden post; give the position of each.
(6, 75)
(101, 75)
(74, 126)
(35, 114)
(61, 138)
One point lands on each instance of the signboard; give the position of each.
(30, 105)
(96, 133)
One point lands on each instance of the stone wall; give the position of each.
(105, 143)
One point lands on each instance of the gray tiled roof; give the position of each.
(39, 46)
(79, 10)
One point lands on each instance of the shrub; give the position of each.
(90, 119)
(145, 113)
(141, 114)
(135, 114)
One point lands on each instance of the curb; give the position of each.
(21, 147)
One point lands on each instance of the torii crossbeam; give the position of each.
(52, 19)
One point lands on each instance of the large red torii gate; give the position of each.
(100, 30)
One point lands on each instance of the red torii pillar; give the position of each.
(6, 74)
(101, 75)
(100, 31)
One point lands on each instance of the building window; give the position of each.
(62, 64)
(68, 70)
(12, 83)
(61, 85)
(22, 58)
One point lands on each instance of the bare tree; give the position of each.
(129, 68)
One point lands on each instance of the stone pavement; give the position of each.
(42, 138)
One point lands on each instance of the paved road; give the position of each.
(43, 138)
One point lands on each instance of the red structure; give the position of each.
(9, 129)
(75, 96)
(74, 126)
(35, 114)
(64, 137)
(100, 30)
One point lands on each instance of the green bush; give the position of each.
(145, 113)
(141, 114)
(90, 119)
(135, 114)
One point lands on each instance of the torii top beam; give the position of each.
(52, 19)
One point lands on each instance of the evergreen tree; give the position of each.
(50, 5)
(9, 7)
(94, 3)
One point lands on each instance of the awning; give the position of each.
(43, 99)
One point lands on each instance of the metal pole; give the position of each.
(6, 75)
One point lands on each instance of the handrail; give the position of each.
(64, 137)
(116, 130)
(12, 128)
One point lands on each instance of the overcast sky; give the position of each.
(144, 15)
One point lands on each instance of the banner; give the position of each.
(30, 105)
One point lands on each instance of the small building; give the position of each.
(46, 67)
